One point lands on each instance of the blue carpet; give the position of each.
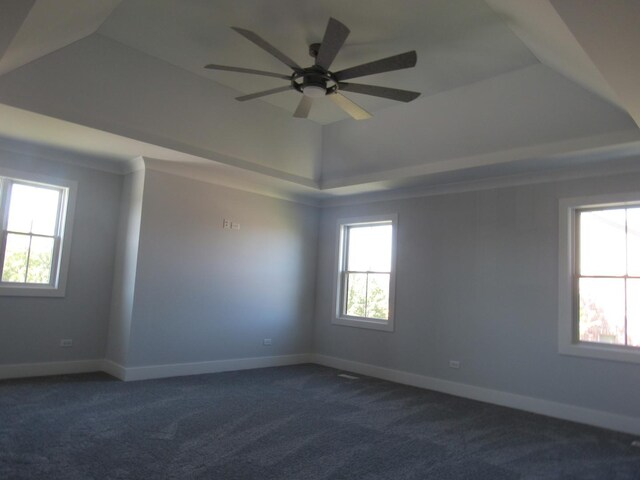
(300, 422)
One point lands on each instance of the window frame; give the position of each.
(339, 297)
(62, 240)
(568, 304)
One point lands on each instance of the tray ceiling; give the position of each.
(458, 43)
(507, 86)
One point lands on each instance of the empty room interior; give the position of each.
(320, 239)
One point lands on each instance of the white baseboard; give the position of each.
(597, 418)
(197, 368)
(21, 370)
(147, 372)
(114, 369)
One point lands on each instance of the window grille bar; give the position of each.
(26, 273)
(39, 235)
(626, 270)
(368, 272)
(366, 296)
(612, 277)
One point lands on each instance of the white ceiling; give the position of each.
(542, 29)
(41, 27)
(457, 43)
(507, 85)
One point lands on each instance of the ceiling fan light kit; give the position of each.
(314, 91)
(318, 81)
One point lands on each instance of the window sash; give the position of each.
(55, 256)
(577, 276)
(568, 255)
(345, 294)
(344, 272)
(6, 185)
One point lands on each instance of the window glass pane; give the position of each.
(602, 310)
(378, 296)
(633, 312)
(603, 242)
(356, 301)
(40, 259)
(369, 249)
(14, 268)
(633, 241)
(33, 209)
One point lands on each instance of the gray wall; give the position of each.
(477, 281)
(206, 293)
(30, 327)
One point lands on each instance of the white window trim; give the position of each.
(68, 214)
(370, 323)
(568, 342)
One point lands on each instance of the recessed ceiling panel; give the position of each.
(47, 27)
(458, 43)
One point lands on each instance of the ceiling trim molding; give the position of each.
(309, 198)
(577, 146)
(53, 154)
(79, 118)
(616, 167)
(133, 165)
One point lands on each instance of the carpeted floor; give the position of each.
(301, 422)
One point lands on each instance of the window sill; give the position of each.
(370, 323)
(15, 291)
(602, 352)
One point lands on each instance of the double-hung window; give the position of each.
(600, 277)
(366, 272)
(34, 246)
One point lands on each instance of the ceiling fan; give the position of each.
(318, 81)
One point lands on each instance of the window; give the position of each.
(35, 236)
(366, 272)
(600, 277)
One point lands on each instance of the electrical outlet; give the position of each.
(454, 363)
(66, 342)
(226, 223)
(266, 342)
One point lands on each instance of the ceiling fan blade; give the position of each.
(334, 37)
(350, 107)
(376, 91)
(246, 70)
(303, 107)
(396, 62)
(251, 96)
(249, 35)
